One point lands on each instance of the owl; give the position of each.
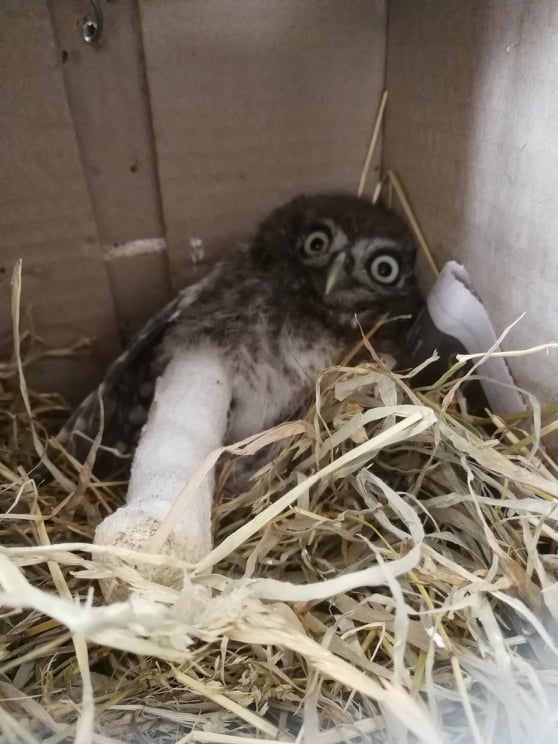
(319, 269)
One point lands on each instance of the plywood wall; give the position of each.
(127, 168)
(472, 129)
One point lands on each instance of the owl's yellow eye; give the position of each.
(385, 269)
(316, 244)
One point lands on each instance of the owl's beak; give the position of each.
(336, 274)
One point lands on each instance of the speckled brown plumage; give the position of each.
(268, 310)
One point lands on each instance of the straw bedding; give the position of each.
(390, 576)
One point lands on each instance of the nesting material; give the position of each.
(392, 573)
(390, 576)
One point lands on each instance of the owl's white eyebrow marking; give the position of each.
(364, 246)
(340, 239)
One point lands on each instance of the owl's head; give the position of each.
(353, 255)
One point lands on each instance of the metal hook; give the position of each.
(93, 26)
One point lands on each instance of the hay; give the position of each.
(392, 572)
(390, 576)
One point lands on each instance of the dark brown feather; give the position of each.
(248, 306)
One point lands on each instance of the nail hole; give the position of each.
(64, 56)
(89, 31)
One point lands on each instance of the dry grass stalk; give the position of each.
(372, 144)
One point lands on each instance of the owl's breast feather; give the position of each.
(273, 379)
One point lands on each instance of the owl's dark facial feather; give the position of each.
(354, 256)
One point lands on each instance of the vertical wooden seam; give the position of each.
(153, 139)
(85, 176)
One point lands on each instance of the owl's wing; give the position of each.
(126, 391)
